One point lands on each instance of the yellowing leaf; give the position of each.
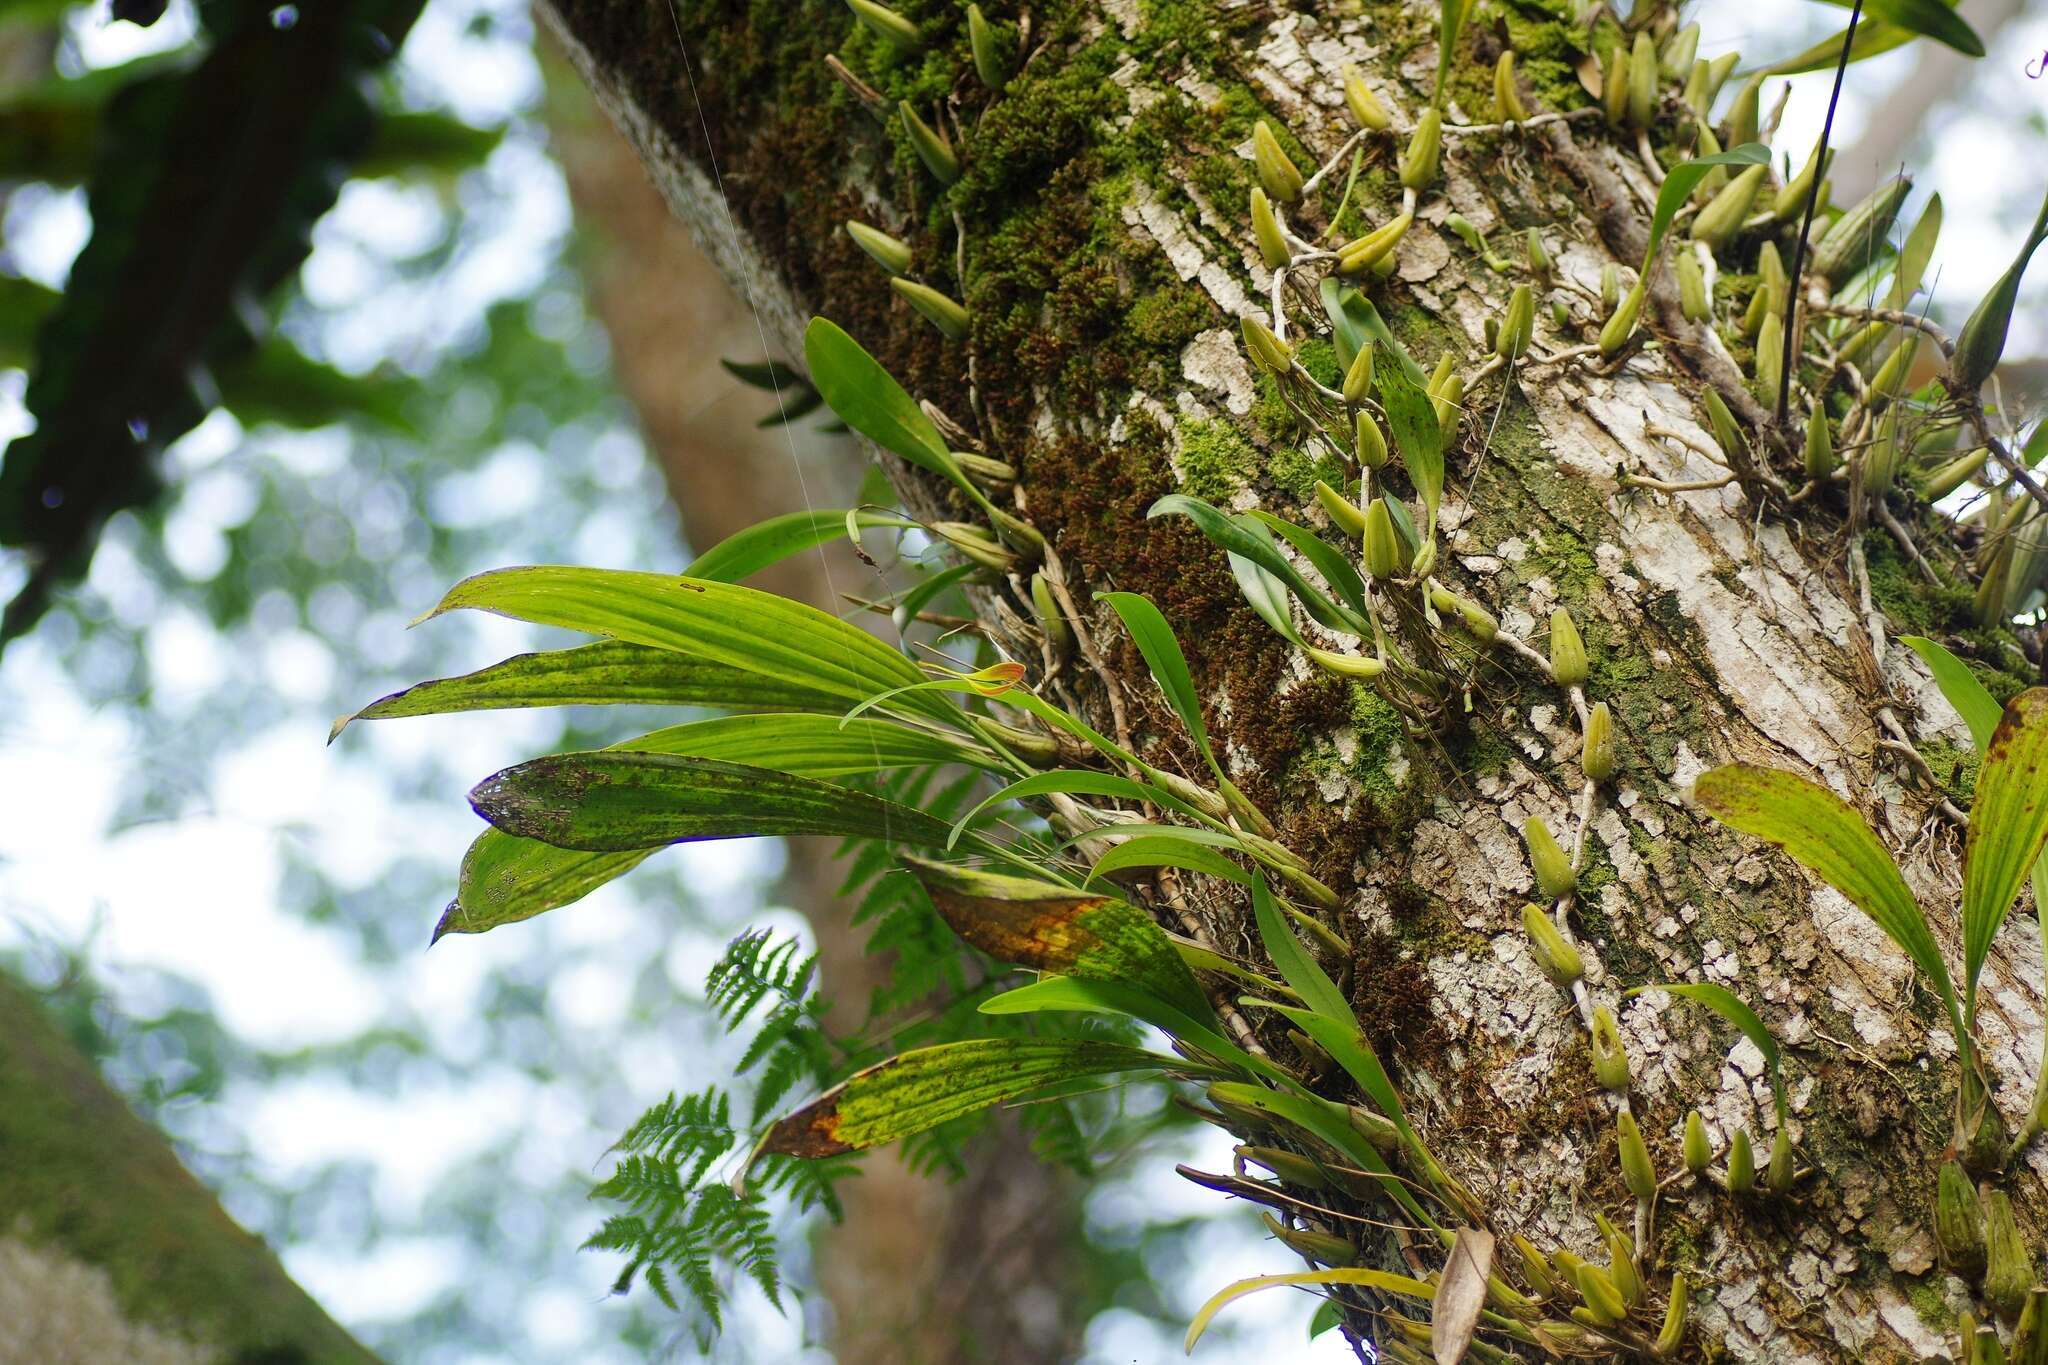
(1056, 929)
(1823, 835)
(1369, 1279)
(924, 1088)
(2008, 825)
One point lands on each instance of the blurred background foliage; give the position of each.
(233, 918)
(399, 381)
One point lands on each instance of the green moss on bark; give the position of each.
(1215, 461)
(84, 1175)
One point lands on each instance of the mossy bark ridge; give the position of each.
(109, 1248)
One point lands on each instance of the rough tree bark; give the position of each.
(1106, 260)
(1002, 1291)
(109, 1249)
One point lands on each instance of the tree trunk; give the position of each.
(1106, 262)
(1003, 1290)
(109, 1249)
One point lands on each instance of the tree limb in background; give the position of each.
(208, 186)
(109, 1248)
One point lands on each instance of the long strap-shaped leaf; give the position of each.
(1169, 850)
(1731, 1007)
(609, 673)
(1255, 543)
(1873, 38)
(1348, 1046)
(1267, 595)
(1051, 928)
(1381, 1280)
(925, 1087)
(1066, 994)
(748, 551)
(1979, 710)
(1327, 1121)
(868, 399)
(1296, 966)
(1155, 640)
(1682, 179)
(1077, 782)
(808, 744)
(1823, 835)
(1357, 324)
(723, 622)
(506, 879)
(2008, 825)
(1333, 564)
(1934, 18)
(615, 801)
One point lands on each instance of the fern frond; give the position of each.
(808, 1184)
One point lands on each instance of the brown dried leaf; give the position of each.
(1460, 1294)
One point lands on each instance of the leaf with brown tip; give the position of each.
(1086, 935)
(927, 1086)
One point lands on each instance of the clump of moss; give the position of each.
(1380, 740)
(1548, 46)
(1955, 767)
(1198, 30)
(1215, 459)
(1929, 1304)
(1392, 998)
(1042, 119)
(1423, 334)
(1270, 413)
(1296, 473)
(1562, 558)
(1914, 605)
(1319, 358)
(1613, 667)
(1170, 317)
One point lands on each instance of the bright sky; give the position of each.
(206, 893)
